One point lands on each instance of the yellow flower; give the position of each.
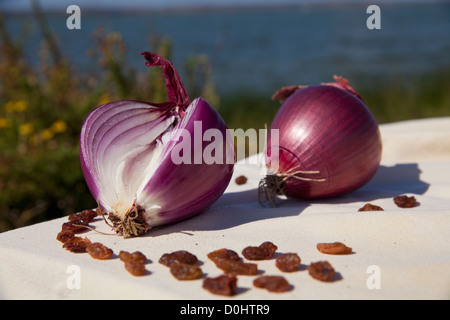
(59, 126)
(26, 129)
(21, 106)
(47, 134)
(5, 123)
(16, 106)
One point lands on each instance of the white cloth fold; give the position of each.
(398, 253)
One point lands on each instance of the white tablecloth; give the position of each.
(398, 253)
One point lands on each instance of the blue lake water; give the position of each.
(263, 49)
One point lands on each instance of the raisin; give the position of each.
(321, 270)
(74, 217)
(264, 252)
(334, 248)
(134, 262)
(77, 244)
(288, 262)
(75, 225)
(183, 256)
(230, 262)
(65, 235)
(272, 283)
(184, 271)
(223, 254)
(241, 180)
(370, 207)
(405, 201)
(79, 221)
(225, 285)
(87, 215)
(98, 251)
(135, 267)
(135, 256)
(237, 267)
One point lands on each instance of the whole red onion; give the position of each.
(329, 143)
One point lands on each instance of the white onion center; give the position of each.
(129, 162)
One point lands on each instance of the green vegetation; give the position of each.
(42, 108)
(400, 98)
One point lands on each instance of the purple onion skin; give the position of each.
(330, 130)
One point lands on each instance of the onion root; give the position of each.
(132, 224)
(272, 185)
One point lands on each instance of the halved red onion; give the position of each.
(329, 143)
(130, 156)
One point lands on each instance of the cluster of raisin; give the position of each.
(78, 223)
(185, 265)
(232, 264)
(401, 201)
(323, 270)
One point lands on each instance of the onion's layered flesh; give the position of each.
(120, 147)
(329, 143)
(126, 156)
